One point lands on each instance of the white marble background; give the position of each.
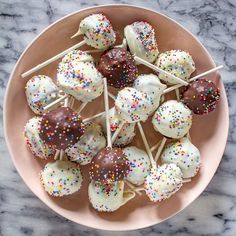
(214, 212)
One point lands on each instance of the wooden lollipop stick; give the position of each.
(123, 45)
(116, 133)
(193, 78)
(71, 103)
(76, 34)
(139, 189)
(94, 51)
(153, 148)
(94, 117)
(186, 180)
(57, 154)
(47, 62)
(162, 98)
(61, 154)
(56, 102)
(66, 102)
(132, 187)
(153, 163)
(106, 101)
(177, 94)
(155, 68)
(82, 106)
(111, 96)
(160, 148)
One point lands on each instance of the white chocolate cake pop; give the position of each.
(108, 198)
(97, 31)
(40, 91)
(89, 144)
(81, 80)
(163, 182)
(178, 63)
(33, 140)
(61, 178)
(132, 105)
(184, 154)
(151, 85)
(127, 132)
(139, 165)
(77, 56)
(141, 40)
(172, 119)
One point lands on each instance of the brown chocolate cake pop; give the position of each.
(118, 66)
(109, 165)
(61, 128)
(201, 96)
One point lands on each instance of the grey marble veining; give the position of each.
(214, 212)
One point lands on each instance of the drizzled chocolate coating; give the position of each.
(118, 66)
(61, 128)
(109, 165)
(201, 96)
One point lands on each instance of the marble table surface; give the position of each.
(214, 212)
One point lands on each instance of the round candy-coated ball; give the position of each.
(109, 165)
(201, 96)
(61, 128)
(118, 66)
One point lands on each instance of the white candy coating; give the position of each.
(139, 165)
(178, 63)
(33, 140)
(98, 31)
(108, 199)
(81, 80)
(163, 182)
(127, 132)
(172, 119)
(140, 37)
(40, 91)
(61, 178)
(132, 105)
(90, 143)
(185, 155)
(151, 85)
(75, 56)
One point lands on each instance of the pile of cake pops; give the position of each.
(118, 171)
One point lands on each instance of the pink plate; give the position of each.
(209, 132)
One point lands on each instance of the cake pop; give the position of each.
(132, 105)
(172, 119)
(178, 63)
(118, 66)
(139, 165)
(89, 144)
(81, 80)
(61, 128)
(201, 96)
(184, 154)
(127, 132)
(97, 31)
(151, 85)
(109, 165)
(163, 182)
(141, 40)
(40, 91)
(108, 198)
(33, 140)
(61, 178)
